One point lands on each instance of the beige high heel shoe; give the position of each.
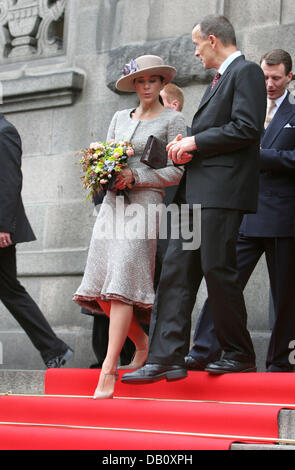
(138, 360)
(106, 385)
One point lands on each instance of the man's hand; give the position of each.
(5, 239)
(125, 178)
(179, 148)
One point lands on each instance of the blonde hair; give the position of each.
(173, 92)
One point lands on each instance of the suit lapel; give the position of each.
(209, 92)
(204, 98)
(281, 118)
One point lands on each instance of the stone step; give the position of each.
(263, 447)
(17, 351)
(22, 381)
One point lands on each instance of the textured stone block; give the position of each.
(54, 179)
(252, 13)
(158, 19)
(288, 12)
(286, 422)
(87, 120)
(62, 313)
(256, 42)
(35, 132)
(20, 354)
(88, 18)
(177, 52)
(75, 225)
(263, 447)
(52, 262)
(164, 14)
(22, 381)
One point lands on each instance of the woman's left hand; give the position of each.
(125, 178)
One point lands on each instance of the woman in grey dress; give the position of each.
(121, 259)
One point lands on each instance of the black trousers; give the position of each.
(181, 275)
(280, 259)
(23, 308)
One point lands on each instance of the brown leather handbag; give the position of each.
(155, 154)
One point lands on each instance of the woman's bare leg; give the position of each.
(140, 339)
(120, 320)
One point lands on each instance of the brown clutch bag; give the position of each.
(155, 154)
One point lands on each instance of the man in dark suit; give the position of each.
(271, 229)
(225, 140)
(15, 228)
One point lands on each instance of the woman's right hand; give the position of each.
(125, 178)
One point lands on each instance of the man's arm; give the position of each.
(10, 178)
(277, 160)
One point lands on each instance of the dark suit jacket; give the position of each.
(12, 214)
(228, 124)
(276, 204)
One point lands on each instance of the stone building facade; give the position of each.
(59, 60)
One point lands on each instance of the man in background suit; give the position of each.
(271, 229)
(225, 140)
(15, 228)
(173, 98)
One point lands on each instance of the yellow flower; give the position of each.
(119, 151)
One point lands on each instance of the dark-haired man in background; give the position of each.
(271, 229)
(223, 165)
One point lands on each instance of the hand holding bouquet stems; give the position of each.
(105, 166)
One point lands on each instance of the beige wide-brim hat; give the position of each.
(145, 64)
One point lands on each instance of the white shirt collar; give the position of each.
(228, 61)
(279, 100)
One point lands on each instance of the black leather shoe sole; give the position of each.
(169, 375)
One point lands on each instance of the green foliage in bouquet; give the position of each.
(101, 163)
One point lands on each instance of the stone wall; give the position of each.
(57, 72)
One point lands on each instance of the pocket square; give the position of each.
(290, 126)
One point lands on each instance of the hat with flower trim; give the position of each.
(145, 64)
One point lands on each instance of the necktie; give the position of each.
(215, 79)
(271, 105)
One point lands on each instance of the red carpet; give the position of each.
(256, 387)
(176, 415)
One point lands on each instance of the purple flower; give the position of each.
(130, 68)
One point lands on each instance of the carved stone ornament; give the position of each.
(31, 28)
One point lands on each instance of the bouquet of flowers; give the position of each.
(101, 163)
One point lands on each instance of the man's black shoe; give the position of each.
(192, 364)
(227, 366)
(150, 373)
(60, 360)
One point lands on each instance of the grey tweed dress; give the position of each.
(121, 256)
